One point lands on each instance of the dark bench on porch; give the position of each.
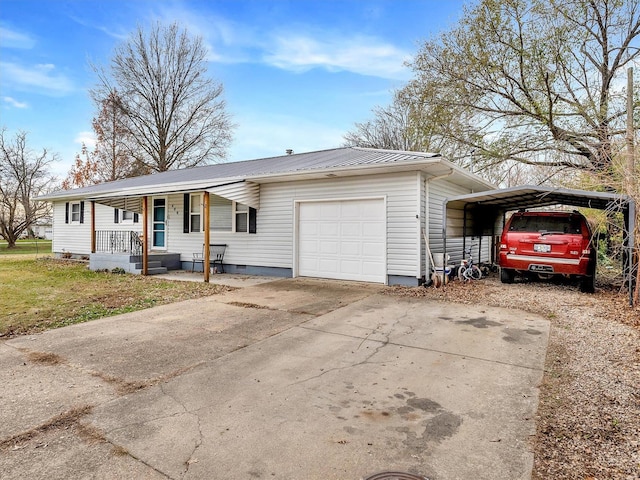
(216, 256)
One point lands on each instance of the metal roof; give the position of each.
(346, 160)
(530, 196)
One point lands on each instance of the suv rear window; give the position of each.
(546, 224)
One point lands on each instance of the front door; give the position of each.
(159, 228)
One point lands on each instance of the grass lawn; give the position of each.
(26, 246)
(41, 293)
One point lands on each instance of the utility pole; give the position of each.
(633, 185)
(630, 135)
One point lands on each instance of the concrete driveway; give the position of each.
(292, 379)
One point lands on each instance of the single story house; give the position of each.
(346, 213)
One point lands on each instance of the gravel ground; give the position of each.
(588, 421)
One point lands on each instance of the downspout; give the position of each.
(444, 217)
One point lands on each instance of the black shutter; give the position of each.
(116, 216)
(81, 212)
(66, 212)
(252, 220)
(136, 218)
(186, 223)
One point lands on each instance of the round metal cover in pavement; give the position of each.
(395, 476)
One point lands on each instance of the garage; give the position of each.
(342, 239)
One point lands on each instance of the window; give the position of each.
(241, 213)
(75, 213)
(230, 216)
(195, 225)
(126, 217)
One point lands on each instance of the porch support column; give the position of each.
(207, 259)
(93, 226)
(145, 233)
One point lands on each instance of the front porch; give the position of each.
(124, 250)
(158, 262)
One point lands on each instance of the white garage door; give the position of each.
(343, 239)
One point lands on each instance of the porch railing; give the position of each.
(118, 242)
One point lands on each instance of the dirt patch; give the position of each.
(588, 419)
(66, 419)
(45, 358)
(249, 305)
(125, 387)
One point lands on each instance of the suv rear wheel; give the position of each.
(587, 283)
(507, 275)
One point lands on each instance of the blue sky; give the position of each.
(297, 74)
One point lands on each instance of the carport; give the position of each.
(483, 214)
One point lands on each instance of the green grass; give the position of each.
(41, 293)
(26, 246)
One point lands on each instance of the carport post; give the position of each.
(630, 222)
(444, 233)
(207, 235)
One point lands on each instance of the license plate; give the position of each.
(541, 247)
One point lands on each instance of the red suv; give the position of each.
(548, 243)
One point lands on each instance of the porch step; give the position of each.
(156, 270)
(152, 264)
(158, 263)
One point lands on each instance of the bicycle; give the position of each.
(468, 270)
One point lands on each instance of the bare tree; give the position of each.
(113, 156)
(407, 124)
(176, 113)
(533, 81)
(24, 174)
(83, 172)
(114, 153)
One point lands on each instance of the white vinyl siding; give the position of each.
(273, 244)
(76, 237)
(438, 191)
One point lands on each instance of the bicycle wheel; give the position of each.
(474, 273)
(461, 273)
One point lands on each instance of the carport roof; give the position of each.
(530, 196)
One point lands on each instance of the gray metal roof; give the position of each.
(324, 161)
(530, 196)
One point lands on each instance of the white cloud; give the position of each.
(13, 39)
(88, 138)
(357, 54)
(14, 103)
(42, 78)
(226, 40)
(233, 42)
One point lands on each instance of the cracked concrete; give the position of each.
(358, 384)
